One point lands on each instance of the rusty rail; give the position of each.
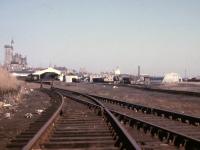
(170, 135)
(123, 136)
(44, 128)
(163, 133)
(150, 110)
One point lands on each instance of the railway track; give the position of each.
(79, 127)
(162, 128)
(84, 121)
(75, 123)
(33, 133)
(171, 127)
(145, 141)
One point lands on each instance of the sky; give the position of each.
(159, 35)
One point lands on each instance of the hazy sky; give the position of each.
(160, 35)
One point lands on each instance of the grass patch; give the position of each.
(8, 83)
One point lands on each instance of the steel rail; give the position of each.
(163, 133)
(123, 136)
(150, 110)
(32, 142)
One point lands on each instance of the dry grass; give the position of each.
(7, 82)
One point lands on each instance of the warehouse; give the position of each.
(47, 74)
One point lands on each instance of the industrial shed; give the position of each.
(49, 73)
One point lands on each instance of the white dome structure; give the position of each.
(172, 78)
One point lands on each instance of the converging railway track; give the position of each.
(75, 124)
(154, 128)
(82, 121)
(171, 127)
(79, 127)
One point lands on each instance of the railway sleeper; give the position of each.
(81, 138)
(81, 145)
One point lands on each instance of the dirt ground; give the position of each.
(182, 86)
(30, 100)
(178, 103)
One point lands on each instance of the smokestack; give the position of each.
(139, 71)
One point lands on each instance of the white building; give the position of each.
(70, 78)
(48, 70)
(172, 78)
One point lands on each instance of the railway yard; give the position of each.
(102, 116)
(100, 75)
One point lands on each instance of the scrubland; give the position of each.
(7, 81)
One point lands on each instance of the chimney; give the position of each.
(139, 71)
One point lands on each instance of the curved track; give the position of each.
(75, 123)
(81, 121)
(80, 128)
(164, 128)
(144, 141)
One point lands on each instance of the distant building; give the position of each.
(47, 74)
(96, 78)
(14, 61)
(71, 78)
(144, 79)
(8, 55)
(172, 78)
